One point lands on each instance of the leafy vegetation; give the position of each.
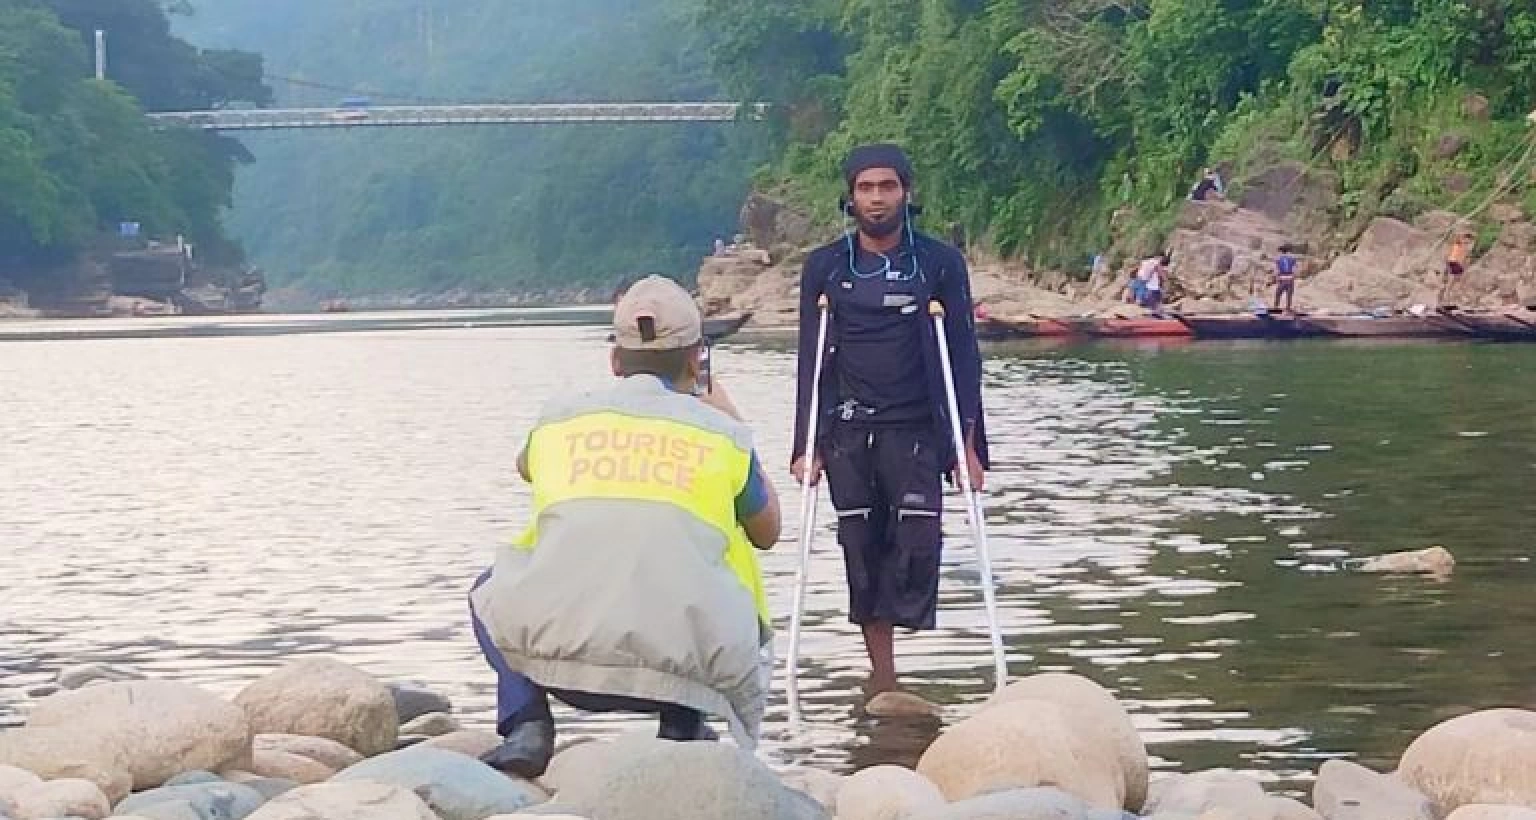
(77, 156)
(1057, 128)
(535, 207)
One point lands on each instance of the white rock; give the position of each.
(1020, 745)
(1092, 710)
(215, 801)
(469, 742)
(62, 798)
(1376, 796)
(78, 677)
(288, 766)
(163, 728)
(357, 800)
(53, 754)
(13, 780)
(521, 816)
(435, 724)
(1483, 757)
(587, 763)
(321, 750)
(821, 785)
(1201, 792)
(1434, 561)
(1016, 804)
(689, 781)
(456, 787)
(886, 793)
(1284, 808)
(320, 697)
(1486, 811)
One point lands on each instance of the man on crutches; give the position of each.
(882, 423)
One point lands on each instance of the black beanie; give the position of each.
(878, 155)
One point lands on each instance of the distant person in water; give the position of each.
(1209, 187)
(1285, 278)
(1455, 264)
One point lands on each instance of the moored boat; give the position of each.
(1246, 326)
(1118, 327)
(719, 327)
(1406, 326)
(1502, 326)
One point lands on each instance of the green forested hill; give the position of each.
(76, 154)
(545, 206)
(1033, 121)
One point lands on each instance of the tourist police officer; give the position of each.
(885, 439)
(636, 588)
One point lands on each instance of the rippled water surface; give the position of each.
(1171, 521)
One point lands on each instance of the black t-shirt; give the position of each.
(880, 339)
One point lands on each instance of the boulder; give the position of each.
(163, 728)
(900, 705)
(13, 780)
(1474, 107)
(467, 742)
(85, 674)
(1020, 745)
(818, 784)
(288, 766)
(455, 786)
(1374, 796)
(688, 781)
(320, 697)
(1434, 561)
(1486, 811)
(886, 793)
(769, 221)
(1483, 757)
(412, 700)
(1284, 808)
(1449, 145)
(590, 763)
(321, 750)
(435, 724)
(1092, 711)
(357, 800)
(169, 810)
(68, 753)
(209, 801)
(194, 776)
(1016, 804)
(1202, 792)
(62, 798)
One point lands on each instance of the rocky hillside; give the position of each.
(1222, 251)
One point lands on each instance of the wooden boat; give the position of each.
(1140, 327)
(1405, 326)
(1246, 326)
(993, 329)
(1502, 326)
(719, 327)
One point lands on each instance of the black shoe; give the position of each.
(525, 752)
(685, 730)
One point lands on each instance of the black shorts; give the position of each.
(887, 487)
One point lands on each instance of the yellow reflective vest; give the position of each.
(634, 577)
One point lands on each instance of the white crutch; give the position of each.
(809, 489)
(973, 508)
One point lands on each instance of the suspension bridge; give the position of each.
(395, 116)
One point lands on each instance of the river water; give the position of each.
(1170, 520)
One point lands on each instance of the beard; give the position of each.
(880, 228)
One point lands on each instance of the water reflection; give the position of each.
(1167, 520)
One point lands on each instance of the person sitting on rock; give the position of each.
(1209, 186)
(1285, 278)
(636, 589)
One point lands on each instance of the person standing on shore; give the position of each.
(1285, 279)
(1455, 264)
(884, 428)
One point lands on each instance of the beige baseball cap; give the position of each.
(656, 314)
